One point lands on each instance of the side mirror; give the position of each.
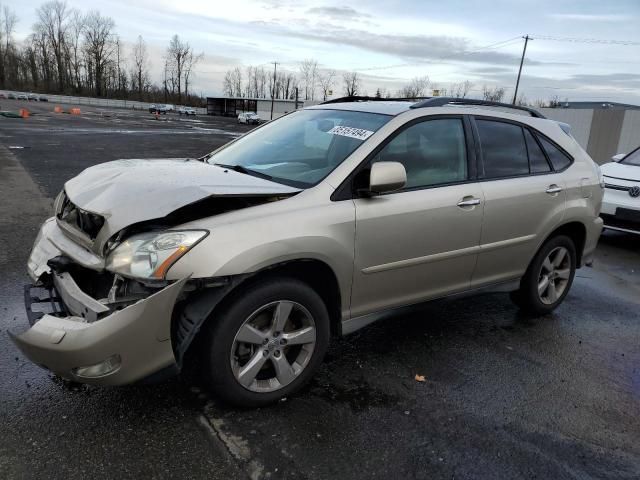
(387, 177)
(618, 157)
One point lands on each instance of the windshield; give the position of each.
(301, 148)
(633, 158)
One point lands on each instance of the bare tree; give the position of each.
(326, 79)
(72, 46)
(493, 94)
(140, 64)
(232, 84)
(99, 47)
(460, 89)
(351, 83)
(177, 54)
(8, 20)
(190, 63)
(309, 75)
(554, 101)
(53, 18)
(415, 89)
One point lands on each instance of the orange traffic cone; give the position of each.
(24, 113)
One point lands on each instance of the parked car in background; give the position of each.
(23, 96)
(186, 111)
(159, 108)
(32, 97)
(11, 96)
(621, 203)
(42, 98)
(249, 118)
(246, 261)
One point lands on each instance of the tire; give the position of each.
(545, 285)
(281, 367)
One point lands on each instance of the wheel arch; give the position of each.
(189, 319)
(315, 273)
(576, 231)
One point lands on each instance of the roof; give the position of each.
(397, 107)
(386, 108)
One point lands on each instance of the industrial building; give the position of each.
(232, 106)
(601, 131)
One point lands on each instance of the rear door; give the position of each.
(419, 242)
(523, 196)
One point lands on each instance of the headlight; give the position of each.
(150, 255)
(57, 204)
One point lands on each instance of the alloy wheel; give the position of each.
(273, 346)
(554, 275)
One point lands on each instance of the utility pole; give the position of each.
(524, 51)
(273, 89)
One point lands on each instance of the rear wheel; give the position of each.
(549, 277)
(266, 342)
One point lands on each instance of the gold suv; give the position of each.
(248, 260)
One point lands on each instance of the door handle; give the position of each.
(553, 189)
(469, 202)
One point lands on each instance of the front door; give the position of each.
(422, 241)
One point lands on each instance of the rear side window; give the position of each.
(559, 159)
(537, 160)
(504, 151)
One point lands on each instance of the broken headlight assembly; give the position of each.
(150, 255)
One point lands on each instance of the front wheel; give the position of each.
(549, 277)
(266, 342)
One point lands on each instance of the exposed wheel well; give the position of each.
(577, 232)
(319, 276)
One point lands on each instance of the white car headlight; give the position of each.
(150, 255)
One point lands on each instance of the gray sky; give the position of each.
(390, 41)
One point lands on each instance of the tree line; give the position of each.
(76, 53)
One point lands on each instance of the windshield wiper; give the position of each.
(246, 171)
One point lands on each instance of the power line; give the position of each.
(500, 44)
(587, 40)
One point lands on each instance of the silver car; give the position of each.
(247, 261)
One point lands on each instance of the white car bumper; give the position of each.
(621, 205)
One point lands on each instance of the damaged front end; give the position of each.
(101, 308)
(115, 331)
(92, 325)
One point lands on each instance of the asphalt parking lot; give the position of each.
(504, 397)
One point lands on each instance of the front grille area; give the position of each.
(86, 222)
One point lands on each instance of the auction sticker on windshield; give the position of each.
(359, 133)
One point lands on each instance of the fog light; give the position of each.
(104, 368)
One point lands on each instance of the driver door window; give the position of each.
(433, 153)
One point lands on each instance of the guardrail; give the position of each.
(104, 102)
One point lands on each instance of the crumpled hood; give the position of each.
(620, 170)
(126, 192)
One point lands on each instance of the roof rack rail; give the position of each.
(442, 101)
(356, 98)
